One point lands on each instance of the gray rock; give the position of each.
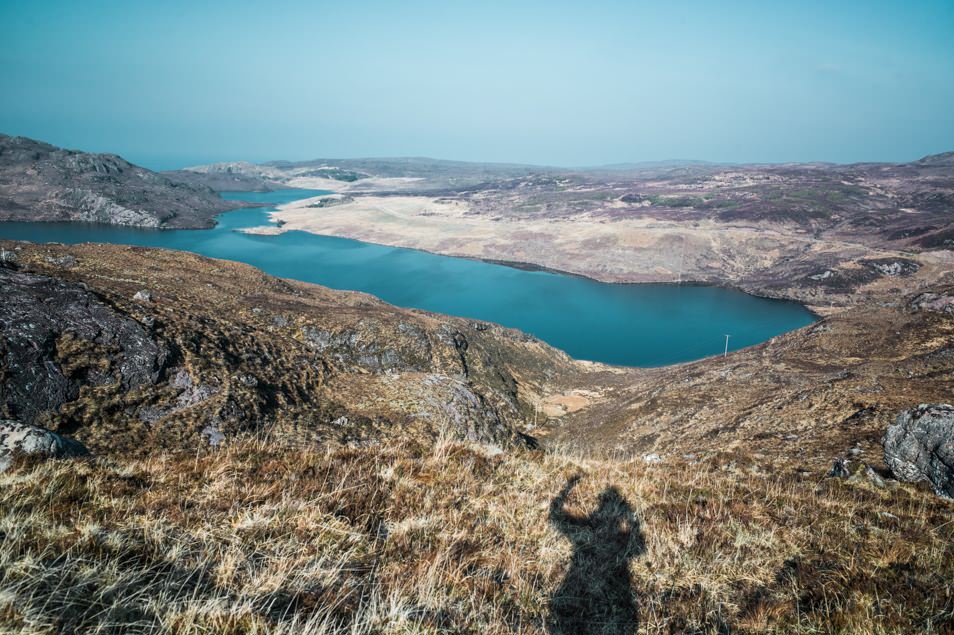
(23, 438)
(866, 474)
(919, 446)
(856, 472)
(67, 261)
(142, 296)
(248, 380)
(465, 412)
(8, 258)
(891, 267)
(35, 313)
(192, 393)
(895, 268)
(214, 435)
(840, 469)
(406, 349)
(936, 302)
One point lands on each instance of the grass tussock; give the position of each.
(257, 538)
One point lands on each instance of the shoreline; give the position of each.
(817, 309)
(532, 267)
(280, 226)
(765, 262)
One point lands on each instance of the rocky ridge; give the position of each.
(140, 358)
(109, 344)
(40, 182)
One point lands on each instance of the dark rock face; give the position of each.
(226, 180)
(40, 182)
(373, 347)
(21, 438)
(893, 267)
(919, 446)
(936, 302)
(466, 412)
(856, 472)
(56, 337)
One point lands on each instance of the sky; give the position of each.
(168, 84)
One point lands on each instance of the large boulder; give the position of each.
(937, 302)
(23, 438)
(56, 337)
(919, 446)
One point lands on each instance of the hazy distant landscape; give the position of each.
(772, 230)
(505, 365)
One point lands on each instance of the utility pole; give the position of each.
(726, 352)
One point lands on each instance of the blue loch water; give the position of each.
(629, 324)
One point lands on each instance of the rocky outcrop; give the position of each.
(56, 338)
(919, 446)
(127, 349)
(856, 472)
(40, 182)
(936, 302)
(23, 439)
(226, 178)
(466, 413)
(372, 346)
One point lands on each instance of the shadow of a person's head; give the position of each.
(614, 517)
(596, 593)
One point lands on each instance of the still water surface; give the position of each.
(635, 325)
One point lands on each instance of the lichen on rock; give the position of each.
(24, 439)
(919, 446)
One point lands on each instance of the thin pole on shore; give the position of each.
(726, 352)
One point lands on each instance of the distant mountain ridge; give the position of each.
(418, 174)
(944, 159)
(42, 182)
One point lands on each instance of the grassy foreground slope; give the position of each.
(258, 537)
(303, 460)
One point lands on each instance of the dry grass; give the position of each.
(259, 538)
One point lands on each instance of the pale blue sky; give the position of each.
(562, 83)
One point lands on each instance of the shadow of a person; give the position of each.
(596, 595)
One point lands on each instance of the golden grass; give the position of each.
(259, 537)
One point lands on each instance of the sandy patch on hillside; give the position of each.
(773, 261)
(631, 250)
(372, 184)
(567, 402)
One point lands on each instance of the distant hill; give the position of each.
(41, 182)
(239, 176)
(944, 159)
(652, 165)
(368, 174)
